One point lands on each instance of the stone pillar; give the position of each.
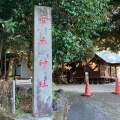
(42, 75)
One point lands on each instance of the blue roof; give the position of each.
(109, 57)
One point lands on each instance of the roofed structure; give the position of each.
(101, 68)
(109, 57)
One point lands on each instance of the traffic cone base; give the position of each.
(117, 88)
(87, 95)
(116, 93)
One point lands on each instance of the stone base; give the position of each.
(30, 117)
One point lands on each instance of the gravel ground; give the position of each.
(104, 105)
(81, 87)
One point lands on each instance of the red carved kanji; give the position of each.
(40, 63)
(43, 63)
(42, 84)
(43, 19)
(45, 84)
(43, 41)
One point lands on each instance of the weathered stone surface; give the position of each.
(42, 78)
(25, 71)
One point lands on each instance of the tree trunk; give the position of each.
(29, 58)
(1, 46)
(7, 70)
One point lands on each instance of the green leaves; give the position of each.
(9, 26)
(110, 37)
(74, 23)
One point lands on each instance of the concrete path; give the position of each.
(104, 105)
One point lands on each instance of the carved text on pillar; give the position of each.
(42, 84)
(43, 41)
(43, 62)
(43, 19)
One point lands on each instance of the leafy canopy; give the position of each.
(74, 23)
(110, 40)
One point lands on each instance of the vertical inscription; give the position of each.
(43, 62)
(42, 103)
(43, 41)
(43, 19)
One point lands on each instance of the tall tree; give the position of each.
(74, 24)
(110, 40)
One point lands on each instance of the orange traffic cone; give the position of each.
(87, 89)
(117, 88)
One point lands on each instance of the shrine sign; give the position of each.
(42, 72)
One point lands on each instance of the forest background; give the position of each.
(79, 28)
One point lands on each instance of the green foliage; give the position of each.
(53, 89)
(109, 40)
(18, 111)
(74, 23)
(6, 9)
(23, 101)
